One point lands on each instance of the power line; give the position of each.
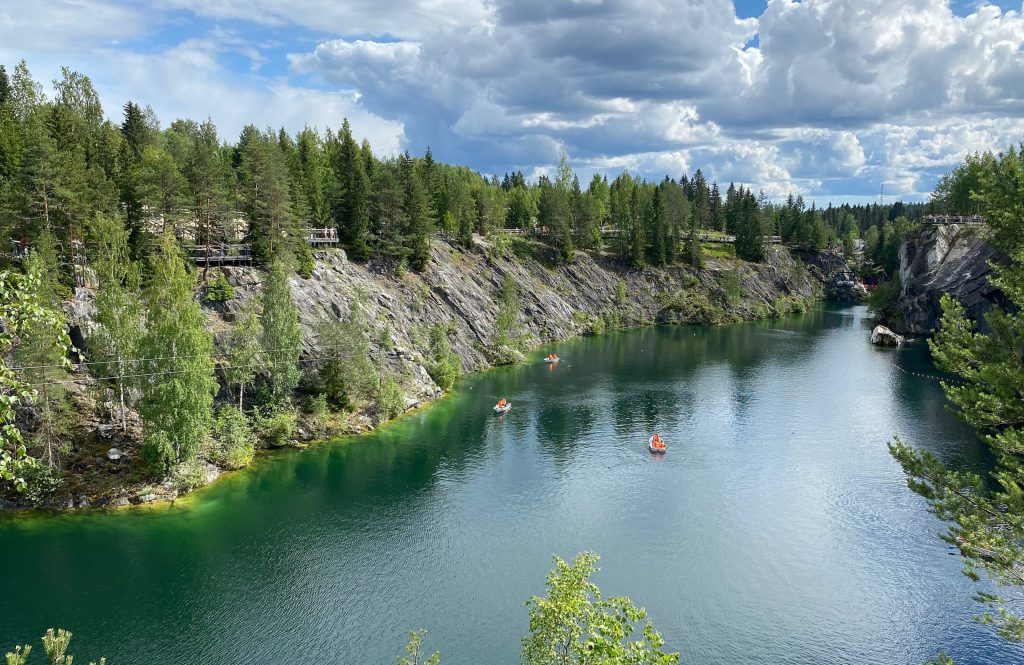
(256, 365)
(223, 354)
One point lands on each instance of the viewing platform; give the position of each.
(221, 254)
(970, 220)
(321, 237)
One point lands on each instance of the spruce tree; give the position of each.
(750, 241)
(281, 338)
(418, 218)
(715, 213)
(350, 201)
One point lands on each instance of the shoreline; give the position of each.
(298, 446)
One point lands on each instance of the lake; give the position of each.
(776, 529)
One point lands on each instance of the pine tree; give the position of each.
(273, 229)
(985, 515)
(281, 338)
(179, 385)
(206, 172)
(43, 356)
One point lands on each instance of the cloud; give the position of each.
(349, 17)
(62, 25)
(828, 98)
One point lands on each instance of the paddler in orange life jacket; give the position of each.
(502, 403)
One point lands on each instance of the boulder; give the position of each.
(882, 336)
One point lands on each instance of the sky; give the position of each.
(836, 100)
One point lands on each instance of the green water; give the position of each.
(776, 529)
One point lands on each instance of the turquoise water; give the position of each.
(775, 530)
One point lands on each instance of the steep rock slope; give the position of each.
(942, 259)
(461, 289)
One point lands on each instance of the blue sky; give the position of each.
(827, 98)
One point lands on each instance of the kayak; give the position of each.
(653, 448)
(503, 409)
(551, 360)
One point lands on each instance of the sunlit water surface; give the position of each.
(777, 529)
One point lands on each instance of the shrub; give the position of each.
(158, 453)
(317, 406)
(275, 431)
(620, 293)
(188, 476)
(444, 366)
(346, 374)
(42, 483)
(732, 286)
(305, 263)
(390, 400)
(218, 289)
(883, 303)
(235, 443)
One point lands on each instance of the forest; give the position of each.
(135, 211)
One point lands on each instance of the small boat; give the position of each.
(658, 447)
(552, 359)
(503, 409)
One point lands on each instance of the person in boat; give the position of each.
(502, 403)
(657, 442)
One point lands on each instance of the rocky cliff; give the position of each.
(942, 259)
(460, 289)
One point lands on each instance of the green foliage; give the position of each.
(281, 337)
(234, 439)
(219, 289)
(346, 375)
(620, 293)
(444, 365)
(158, 453)
(732, 286)
(390, 400)
(188, 476)
(414, 651)
(244, 352)
(275, 430)
(575, 625)
(55, 645)
(882, 302)
(507, 328)
(179, 384)
(118, 333)
(42, 483)
(985, 517)
(44, 360)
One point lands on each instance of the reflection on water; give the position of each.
(775, 530)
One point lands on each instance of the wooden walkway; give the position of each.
(969, 220)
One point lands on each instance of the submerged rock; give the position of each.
(882, 336)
